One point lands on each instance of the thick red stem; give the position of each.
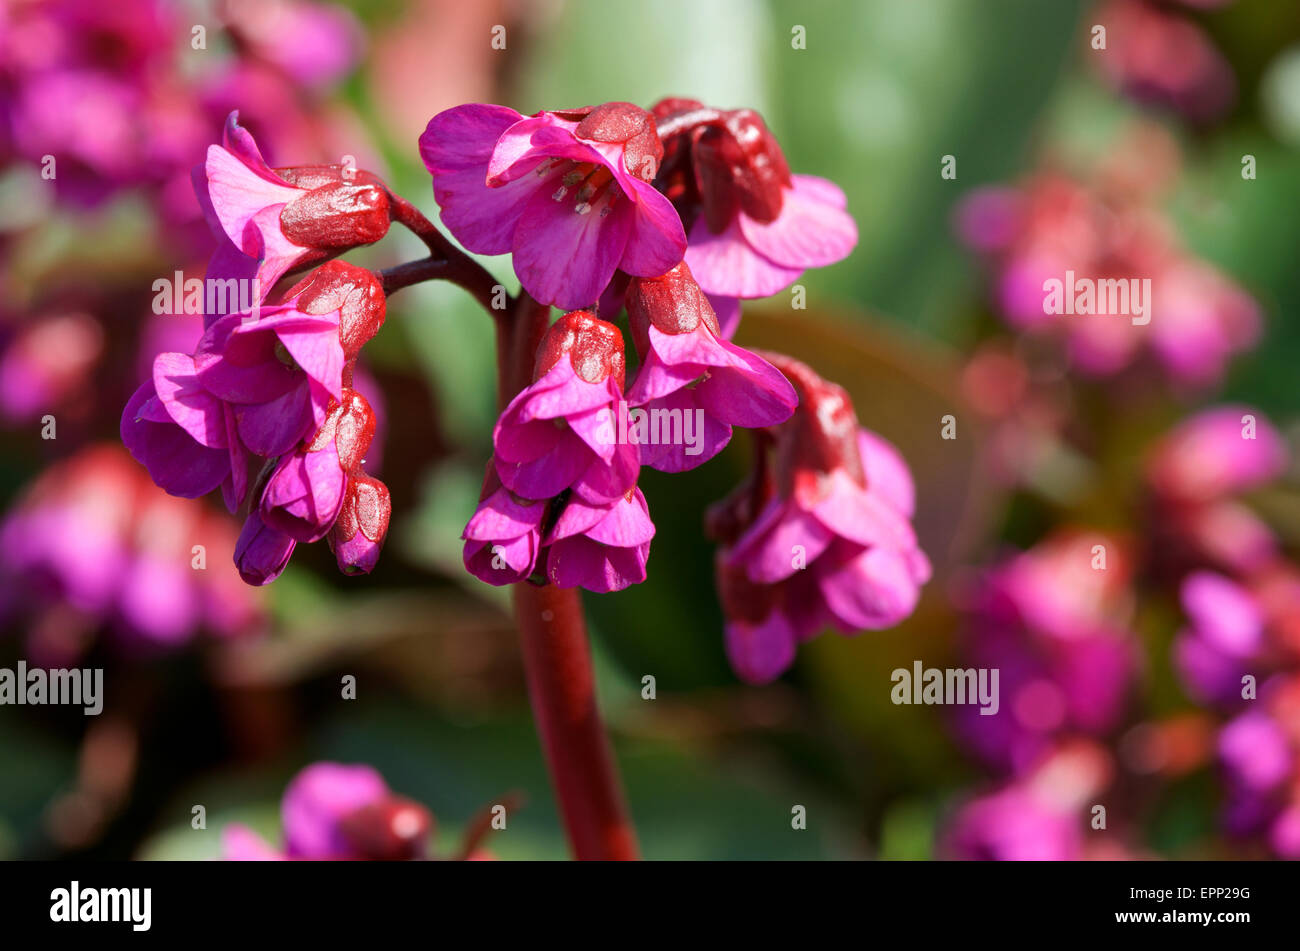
(557, 661)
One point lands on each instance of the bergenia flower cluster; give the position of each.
(1109, 226)
(273, 382)
(675, 213)
(1239, 650)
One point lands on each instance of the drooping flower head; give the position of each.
(284, 219)
(688, 372)
(274, 383)
(823, 539)
(561, 495)
(566, 193)
(560, 431)
(753, 226)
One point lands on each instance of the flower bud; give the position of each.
(358, 533)
(353, 291)
(343, 208)
(262, 551)
(634, 128)
(672, 303)
(739, 166)
(594, 347)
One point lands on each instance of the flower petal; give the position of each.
(812, 230)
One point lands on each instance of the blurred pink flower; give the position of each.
(1054, 621)
(1155, 55)
(332, 812)
(93, 546)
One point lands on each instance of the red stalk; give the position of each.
(557, 662)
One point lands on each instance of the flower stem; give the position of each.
(445, 262)
(561, 685)
(557, 660)
(552, 630)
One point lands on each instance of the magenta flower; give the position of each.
(1057, 630)
(285, 219)
(332, 812)
(262, 552)
(185, 436)
(1013, 824)
(559, 432)
(568, 194)
(1040, 816)
(277, 373)
(503, 538)
(93, 548)
(689, 372)
(1055, 228)
(753, 226)
(1225, 634)
(824, 540)
(304, 493)
(1221, 451)
(600, 547)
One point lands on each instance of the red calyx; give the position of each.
(395, 829)
(630, 125)
(351, 424)
(594, 347)
(821, 437)
(366, 509)
(742, 599)
(739, 166)
(672, 303)
(353, 291)
(342, 208)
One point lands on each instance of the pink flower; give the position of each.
(1158, 56)
(753, 226)
(1225, 634)
(1218, 452)
(262, 552)
(303, 496)
(185, 436)
(689, 371)
(559, 432)
(824, 539)
(568, 194)
(332, 812)
(1039, 816)
(277, 374)
(600, 547)
(1056, 628)
(92, 546)
(503, 538)
(285, 219)
(1194, 318)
